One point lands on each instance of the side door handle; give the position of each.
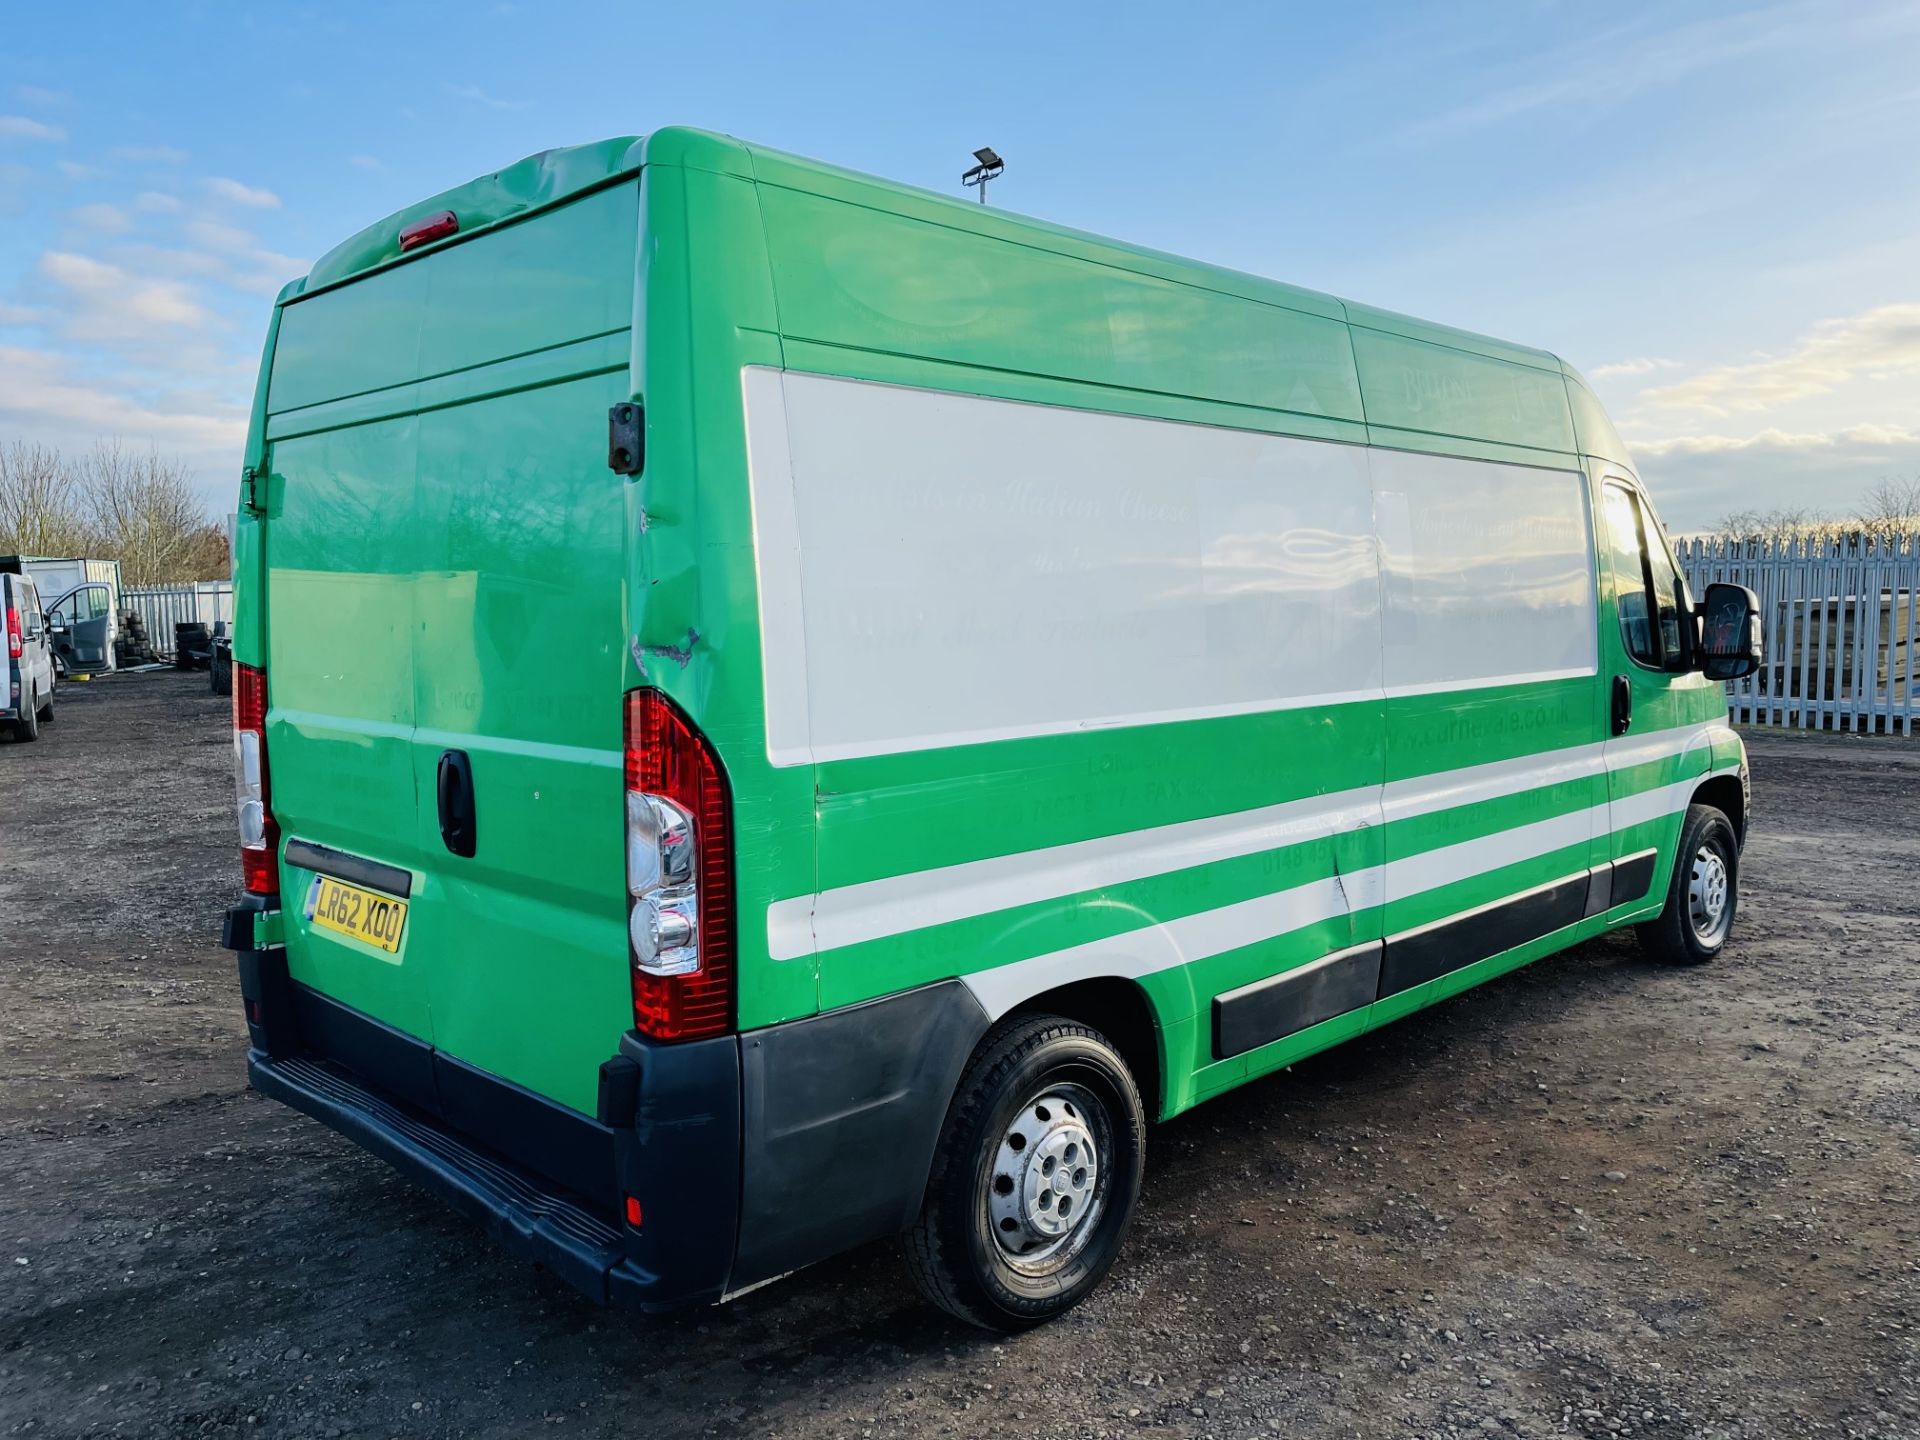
(454, 786)
(1622, 704)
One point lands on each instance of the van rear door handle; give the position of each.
(454, 786)
(1622, 704)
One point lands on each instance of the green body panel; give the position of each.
(442, 561)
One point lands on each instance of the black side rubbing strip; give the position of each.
(354, 869)
(1599, 890)
(1632, 874)
(1427, 954)
(1271, 1009)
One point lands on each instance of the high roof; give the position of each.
(551, 176)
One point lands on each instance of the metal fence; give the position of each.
(161, 607)
(1840, 622)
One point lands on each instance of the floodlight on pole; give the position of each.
(989, 167)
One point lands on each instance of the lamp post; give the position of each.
(989, 167)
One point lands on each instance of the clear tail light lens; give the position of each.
(259, 835)
(679, 874)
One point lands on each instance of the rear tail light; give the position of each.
(14, 643)
(259, 834)
(679, 874)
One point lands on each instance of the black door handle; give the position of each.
(1622, 705)
(454, 785)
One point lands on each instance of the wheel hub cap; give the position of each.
(1045, 1178)
(1707, 892)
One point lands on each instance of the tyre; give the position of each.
(1036, 1177)
(27, 728)
(1703, 895)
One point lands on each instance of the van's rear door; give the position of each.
(342, 560)
(444, 574)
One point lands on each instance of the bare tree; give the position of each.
(145, 510)
(136, 507)
(41, 508)
(1782, 522)
(1891, 507)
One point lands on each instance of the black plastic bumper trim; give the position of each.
(549, 1182)
(841, 1114)
(525, 1214)
(354, 869)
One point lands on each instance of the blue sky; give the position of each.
(1711, 209)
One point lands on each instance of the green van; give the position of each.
(775, 709)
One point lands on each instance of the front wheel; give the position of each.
(1702, 897)
(1036, 1177)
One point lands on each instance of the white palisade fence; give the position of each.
(1841, 623)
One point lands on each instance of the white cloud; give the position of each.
(1876, 344)
(236, 193)
(74, 170)
(366, 162)
(44, 99)
(151, 154)
(156, 202)
(1639, 365)
(222, 253)
(19, 314)
(19, 127)
(481, 97)
(110, 305)
(1698, 480)
(43, 398)
(108, 218)
(1615, 66)
(1778, 440)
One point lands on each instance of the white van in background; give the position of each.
(30, 680)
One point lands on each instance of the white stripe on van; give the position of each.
(876, 909)
(1151, 949)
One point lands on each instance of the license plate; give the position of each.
(364, 914)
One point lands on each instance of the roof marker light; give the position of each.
(424, 231)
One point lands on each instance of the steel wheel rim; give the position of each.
(1710, 895)
(1046, 1183)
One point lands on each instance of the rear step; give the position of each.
(524, 1212)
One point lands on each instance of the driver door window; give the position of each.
(1649, 589)
(1629, 575)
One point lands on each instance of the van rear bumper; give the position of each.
(546, 1182)
(748, 1155)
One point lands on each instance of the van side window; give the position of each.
(1631, 582)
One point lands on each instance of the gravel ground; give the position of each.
(1593, 1198)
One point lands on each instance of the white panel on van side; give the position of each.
(971, 569)
(1488, 572)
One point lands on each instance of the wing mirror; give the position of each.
(1729, 619)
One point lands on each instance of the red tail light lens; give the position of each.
(15, 645)
(679, 874)
(436, 226)
(259, 834)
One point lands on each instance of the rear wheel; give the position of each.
(1036, 1177)
(27, 728)
(1702, 897)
